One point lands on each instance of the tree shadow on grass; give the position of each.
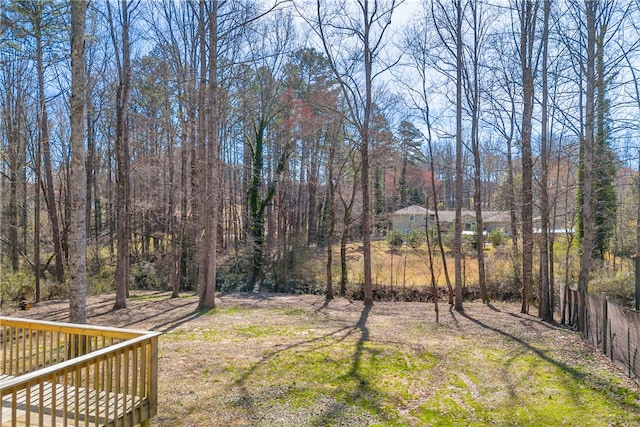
(493, 308)
(599, 385)
(363, 396)
(247, 401)
(452, 312)
(62, 314)
(175, 323)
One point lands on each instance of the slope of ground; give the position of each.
(284, 360)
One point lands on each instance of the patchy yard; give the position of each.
(284, 360)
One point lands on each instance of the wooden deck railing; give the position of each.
(63, 374)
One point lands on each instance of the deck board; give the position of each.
(104, 408)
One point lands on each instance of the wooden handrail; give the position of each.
(100, 331)
(80, 360)
(109, 378)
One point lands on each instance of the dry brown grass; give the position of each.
(405, 266)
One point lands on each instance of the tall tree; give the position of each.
(40, 21)
(13, 124)
(457, 238)
(362, 30)
(588, 151)
(122, 55)
(479, 29)
(504, 120)
(606, 167)
(263, 106)
(208, 154)
(418, 43)
(527, 11)
(545, 310)
(77, 178)
(449, 27)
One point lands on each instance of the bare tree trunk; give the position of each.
(344, 238)
(528, 12)
(46, 155)
(515, 249)
(588, 152)
(364, 152)
(420, 52)
(366, 224)
(77, 178)
(200, 192)
(545, 308)
(210, 208)
(12, 123)
(332, 223)
(475, 144)
(36, 219)
(434, 285)
(457, 237)
(369, 27)
(123, 228)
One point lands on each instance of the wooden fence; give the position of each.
(615, 330)
(62, 374)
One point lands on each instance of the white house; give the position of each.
(413, 217)
(409, 218)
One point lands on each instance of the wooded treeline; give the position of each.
(227, 142)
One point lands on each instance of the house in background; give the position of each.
(409, 218)
(412, 217)
(496, 219)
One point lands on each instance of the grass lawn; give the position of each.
(282, 360)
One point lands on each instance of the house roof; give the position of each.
(450, 216)
(487, 216)
(496, 216)
(411, 210)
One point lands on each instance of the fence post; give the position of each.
(636, 258)
(605, 322)
(629, 350)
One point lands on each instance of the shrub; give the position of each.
(619, 288)
(145, 276)
(15, 287)
(395, 238)
(416, 238)
(497, 237)
(104, 281)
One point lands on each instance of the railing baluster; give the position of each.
(116, 373)
(54, 400)
(41, 400)
(14, 409)
(65, 399)
(11, 351)
(137, 415)
(98, 385)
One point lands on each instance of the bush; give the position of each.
(145, 276)
(497, 237)
(416, 238)
(15, 287)
(395, 238)
(104, 281)
(619, 288)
